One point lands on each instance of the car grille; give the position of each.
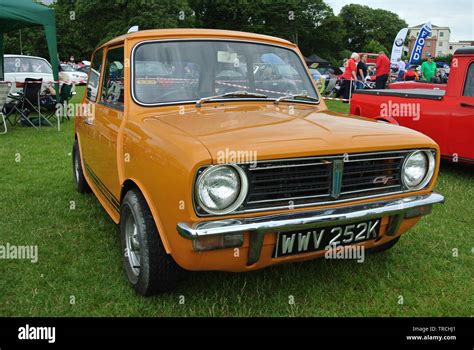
(303, 182)
(278, 183)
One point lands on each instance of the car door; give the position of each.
(109, 112)
(461, 131)
(86, 126)
(426, 116)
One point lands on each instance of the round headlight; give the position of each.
(418, 169)
(221, 189)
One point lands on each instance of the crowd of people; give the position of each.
(70, 62)
(359, 75)
(356, 73)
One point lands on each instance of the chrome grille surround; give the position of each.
(314, 181)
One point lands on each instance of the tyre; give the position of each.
(80, 182)
(150, 270)
(384, 247)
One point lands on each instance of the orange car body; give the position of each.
(160, 149)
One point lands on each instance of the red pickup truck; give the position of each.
(446, 115)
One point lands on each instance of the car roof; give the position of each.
(468, 50)
(25, 56)
(196, 33)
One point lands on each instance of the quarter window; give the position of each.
(112, 88)
(469, 87)
(94, 76)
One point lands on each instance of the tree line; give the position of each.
(82, 25)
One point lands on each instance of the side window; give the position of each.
(469, 87)
(112, 87)
(10, 65)
(94, 76)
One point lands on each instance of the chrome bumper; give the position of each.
(398, 209)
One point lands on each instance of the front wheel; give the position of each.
(150, 270)
(79, 180)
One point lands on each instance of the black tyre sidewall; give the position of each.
(80, 182)
(385, 246)
(158, 271)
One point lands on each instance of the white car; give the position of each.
(19, 67)
(71, 75)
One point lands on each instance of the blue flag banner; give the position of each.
(425, 31)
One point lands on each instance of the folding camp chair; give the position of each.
(4, 91)
(65, 95)
(29, 101)
(330, 86)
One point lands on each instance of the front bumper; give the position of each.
(398, 209)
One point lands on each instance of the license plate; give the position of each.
(313, 240)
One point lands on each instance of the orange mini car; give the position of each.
(213, 151)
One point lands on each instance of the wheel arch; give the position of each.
(387, 119)
(131, 184)
(357, 111)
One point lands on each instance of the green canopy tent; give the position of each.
(17, 14)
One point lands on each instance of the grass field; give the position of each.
(79, 271)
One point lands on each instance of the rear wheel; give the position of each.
(384, 247)
(150, 270)
(79, 180)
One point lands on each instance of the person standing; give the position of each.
(383, 70)
(428, 68)
(59, 65)
(411, 74)
(401, 69)
(350, 75)
(361, 71)
(344, 63)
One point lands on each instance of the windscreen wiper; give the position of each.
(296, 96)
(230, 94)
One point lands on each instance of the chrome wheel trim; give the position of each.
(76, 167)
(132, 245)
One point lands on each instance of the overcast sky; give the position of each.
(456, 14)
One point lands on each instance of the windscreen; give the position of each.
(179, 71)
(26, 65)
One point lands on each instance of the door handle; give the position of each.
(464, 104)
